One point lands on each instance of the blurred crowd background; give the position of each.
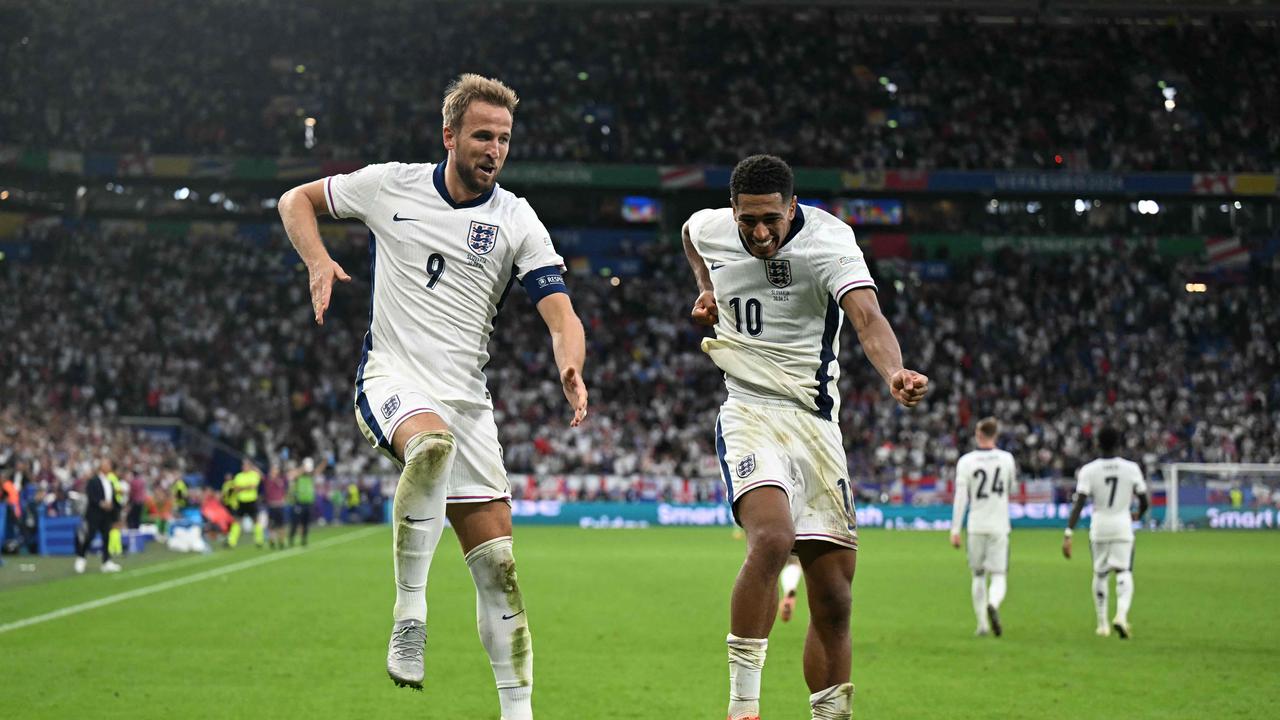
(212, 328)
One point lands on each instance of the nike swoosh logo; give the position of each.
(397, 218)
(716, 265)
(508, 617)
(412, 519)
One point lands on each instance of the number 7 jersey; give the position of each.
(1111, 484)
(780, 318)
(439, 271)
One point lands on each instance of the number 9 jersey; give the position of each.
(440, 269)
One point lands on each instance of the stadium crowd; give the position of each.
(822, 86)
(217, 330)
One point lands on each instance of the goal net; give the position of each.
(1222, 496)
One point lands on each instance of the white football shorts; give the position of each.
(1111, 555)
(989, 552)
(478, 475)
(797, 451)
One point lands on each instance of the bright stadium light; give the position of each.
(615, 281)
(1148, 207)
(1237, 205)
(1169, 105)
(1081, 206)
(1197, 287)
(182, 193)
(4, 194)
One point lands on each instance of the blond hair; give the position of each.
(988, 427)
(469, 88)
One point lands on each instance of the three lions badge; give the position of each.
(482, 237)
(778, 272)
(747, 465)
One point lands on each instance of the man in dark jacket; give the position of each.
(99, 514)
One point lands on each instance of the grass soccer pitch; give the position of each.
(631, 624)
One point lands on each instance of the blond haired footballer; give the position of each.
(446, 242)
(984, 478)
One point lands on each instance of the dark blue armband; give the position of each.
(543, 282)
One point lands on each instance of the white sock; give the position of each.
(995, 595)
(979, 589)
(790, 577)
(1100, 598)
(834, 703)
(1124, 594)
(503, 625)
(419, 518)
(746, 661)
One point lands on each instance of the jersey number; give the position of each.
(1113, 481)
(753, 316)
(848, 504)
(435, 268)
(997, 487)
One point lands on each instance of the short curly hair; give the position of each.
(761, 175)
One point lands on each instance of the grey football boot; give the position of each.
(404, 653)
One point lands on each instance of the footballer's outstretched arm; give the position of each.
(298, 209)
(704, 310)
(569, 345)
(908, 387)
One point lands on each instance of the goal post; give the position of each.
(1222, 495)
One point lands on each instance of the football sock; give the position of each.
(419, 506)
(1100, 598)
(746, 661)
(997, 591)
(115, 544)
(834, 703)
(503, 625)
(979, 589)
(790, 578)
(233, 537)
(259, 533)
(1124, 594)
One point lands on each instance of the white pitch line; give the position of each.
(164, 566)
(179, 582)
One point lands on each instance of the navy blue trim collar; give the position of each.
(438, 177)
(796, 226)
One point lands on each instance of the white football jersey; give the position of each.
(784, 311)
(1111, 483)
(984, 479)
(439, 270)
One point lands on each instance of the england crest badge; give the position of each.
(482, 237)
(778, 272)
(390, 407)
(747, 465)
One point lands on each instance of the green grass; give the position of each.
(631, 624)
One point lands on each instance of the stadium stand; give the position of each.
(220, 335)
(822, 86)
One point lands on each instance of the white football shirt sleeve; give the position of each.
(961, 501)
(353, 195)
(1082, 483)
(1139, 484)
(839, 263)
(697, 224)
(534, 249)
